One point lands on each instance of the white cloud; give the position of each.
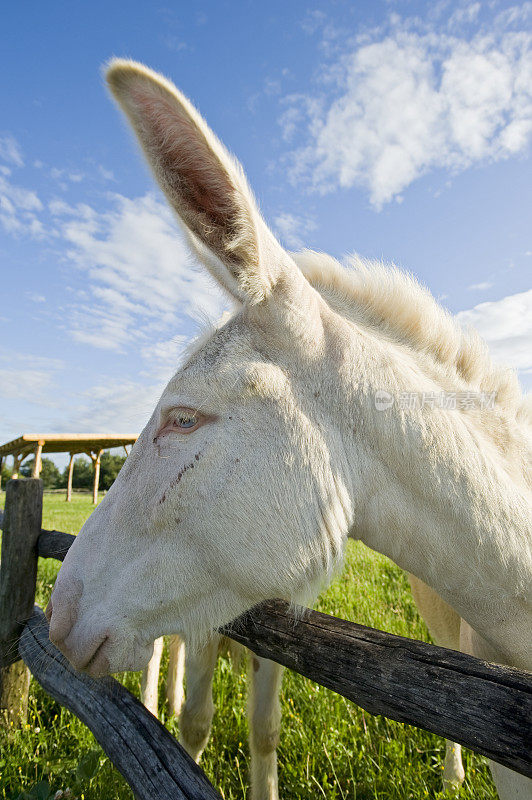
(506, 325)
(141, 278)
(466, 14)
(140, 294)
(24, 384)
(10, 151)
(19, 209)
(480, 287)
(169, 350)
(412, 101)
(28, 378)
(31, 360)
(312, 21)
(106, 174)
(291, 228)
(119, 407)
(62, 174)
(164, 357)
(36, 298)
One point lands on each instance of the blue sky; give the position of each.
(397, 130)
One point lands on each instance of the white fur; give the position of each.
(294, 457)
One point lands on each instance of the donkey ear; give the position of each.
(203, 183)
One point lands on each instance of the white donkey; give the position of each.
(266, 450)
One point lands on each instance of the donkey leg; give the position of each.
(444, 625)
(510, 785)
(264, 712)
(175, 675)
(196, 716)
(149, 684)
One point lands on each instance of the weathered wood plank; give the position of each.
(54, 544)
(147, 755)
(18, 574)
(483, 706)
(50, 544)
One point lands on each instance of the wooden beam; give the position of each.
(37, 463)
(69, 479)
(141, 748)
(66, 442)
(18, 573)
(483, 706)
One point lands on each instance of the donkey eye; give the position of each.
(185, 419)
(181, 420)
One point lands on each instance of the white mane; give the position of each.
(396, 304)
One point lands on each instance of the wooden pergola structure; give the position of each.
(91, 444)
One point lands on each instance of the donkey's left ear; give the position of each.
(203, 183)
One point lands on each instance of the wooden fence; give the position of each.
(483, 706)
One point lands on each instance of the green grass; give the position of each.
(329, 747)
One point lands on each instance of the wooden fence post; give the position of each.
(96, 464)
(69, 480)
(18, 574)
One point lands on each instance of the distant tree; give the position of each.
(50, 475)
(83, 472)
(110, 466)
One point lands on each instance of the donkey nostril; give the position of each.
(62, 610)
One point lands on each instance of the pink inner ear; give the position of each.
(192, 176)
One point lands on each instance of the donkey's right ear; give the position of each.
(202, 182)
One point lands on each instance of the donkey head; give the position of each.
(236, 490)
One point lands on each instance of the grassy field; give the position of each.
(329, 747)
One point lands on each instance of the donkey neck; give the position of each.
(432, 490)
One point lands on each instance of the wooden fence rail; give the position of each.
(484, 706)
(141, 748)
(54, 544)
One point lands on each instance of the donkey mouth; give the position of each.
(98, 664)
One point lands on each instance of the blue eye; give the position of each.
(186, 420)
